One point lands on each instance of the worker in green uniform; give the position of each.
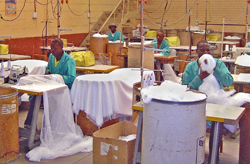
(114, 35)
(161, 43)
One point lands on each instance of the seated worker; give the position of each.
(193, 77)
(114, 35)
(161, 43)
(59, 63)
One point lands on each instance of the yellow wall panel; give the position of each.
(26, 26)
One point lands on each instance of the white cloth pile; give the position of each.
(171, 91)
(243, 60)
(97, 35)
(211, 88)
(105, 96)
(60, 136)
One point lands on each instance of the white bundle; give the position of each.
(97, 35)
(243, 60)
(211, 88)
(232, 37)
(170, 91)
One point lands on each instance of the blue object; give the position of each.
(248, 53)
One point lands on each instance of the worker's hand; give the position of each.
(203, 74)
(47, 73)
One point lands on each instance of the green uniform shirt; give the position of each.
(66, 68)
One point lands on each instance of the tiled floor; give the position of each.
(230, 153)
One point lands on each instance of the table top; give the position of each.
(165, 58)
(215, 112)
(98, 68)
(224, 42)
(193, 48)
(66, 48)
(14, 56)
(228, 60)
(241, 81)
(7, 85)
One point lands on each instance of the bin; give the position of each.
(114, 48)
(174, 132)
(9, 128)
(244, 155)
(98, 45)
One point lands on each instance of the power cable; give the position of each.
(165, 8)
(17, 16)
(75, 13)
(164, 24)
(160, 16)
(184, 15)
(43, 3)
(156, 9)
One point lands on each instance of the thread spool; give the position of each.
(2, 69)
(9, 64)
(234, 48)
(226, 47)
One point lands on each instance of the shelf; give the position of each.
(229, 52)
(224, 42)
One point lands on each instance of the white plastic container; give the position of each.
(174, 132)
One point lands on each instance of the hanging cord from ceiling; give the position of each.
(156, 9)
(161, 15)
(56, 14)
(242, 14)
(187, 13)
(75, 13)
(164, 25)
(17, 16)
(165, 9)
(34, 5)
(45, 26)
(42, 3)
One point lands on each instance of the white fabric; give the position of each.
(169, 74)
(243, 60)
(35, 67)
(105, 96)
(170, 91)
(244, 77)
(60, 136)
(211, 88)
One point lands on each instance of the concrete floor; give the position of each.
(230, 153)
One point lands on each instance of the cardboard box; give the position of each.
(108, 149)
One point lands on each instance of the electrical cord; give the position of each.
(54, 8)
(156, 9)
(17, 16)
(165, 9)
(75, 13)
(164, 25)
(42, 3)
(160, 16)
(184, 15)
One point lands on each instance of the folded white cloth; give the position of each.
(105, 96)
